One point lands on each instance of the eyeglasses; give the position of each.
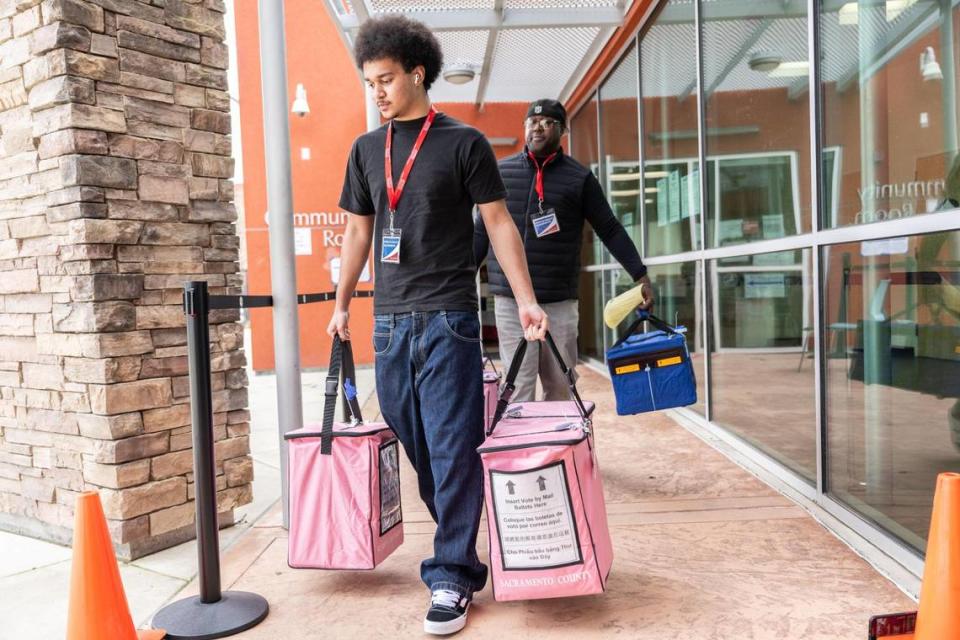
(546, 123)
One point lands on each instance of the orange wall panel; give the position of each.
(497, 120)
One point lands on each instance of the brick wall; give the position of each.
(115, 188)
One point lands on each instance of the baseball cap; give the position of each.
(549, 108)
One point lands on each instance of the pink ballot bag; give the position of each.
(344, 483)
(545, 508)
(491, 386)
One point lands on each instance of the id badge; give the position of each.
(390, 246)
(545, 224)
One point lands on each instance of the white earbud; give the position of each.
(416, 79)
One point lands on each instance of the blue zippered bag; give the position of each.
(651, 371)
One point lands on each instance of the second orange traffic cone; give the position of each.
(939, 615)
(98, 605)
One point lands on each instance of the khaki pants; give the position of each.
(564, 321)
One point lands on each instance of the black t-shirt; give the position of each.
(454, 170)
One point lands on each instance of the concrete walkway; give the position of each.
(703, 551)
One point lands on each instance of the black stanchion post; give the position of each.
(212, 614)
(201, 417)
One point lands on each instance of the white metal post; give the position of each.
(283, 271)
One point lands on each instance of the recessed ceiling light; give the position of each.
(764, 61)
(460, 73)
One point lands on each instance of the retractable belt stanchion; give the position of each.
(214, 613)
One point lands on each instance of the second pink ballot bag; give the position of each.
(544, 497)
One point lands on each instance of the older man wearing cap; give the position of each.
(550, 195)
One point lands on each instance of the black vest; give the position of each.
(554, 260)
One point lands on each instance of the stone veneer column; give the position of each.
(114, 189)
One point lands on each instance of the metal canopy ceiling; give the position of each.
(520, 50)
(735, 29)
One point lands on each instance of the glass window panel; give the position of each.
(590, 339)
(757, 117)
(889, 84)
(670, 122)
(762, 372)
(621, 145)
(584, 146)
(892, 325)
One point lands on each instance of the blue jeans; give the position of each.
(430, 387)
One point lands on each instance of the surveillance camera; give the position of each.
(300, 106)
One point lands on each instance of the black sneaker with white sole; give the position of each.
(447, 613)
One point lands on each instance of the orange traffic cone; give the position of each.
(939, 615)
(98, 606)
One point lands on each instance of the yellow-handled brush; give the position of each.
(623, 305)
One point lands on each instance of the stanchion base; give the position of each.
(190, 619)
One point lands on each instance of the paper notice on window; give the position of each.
(778, 259)
(390, 511)
(684, 197)
(675, 196)
(302, 241)
(694, 193)
(773, 226)
(731, 230)
(663, 208)
(535, 522)
(885, 247)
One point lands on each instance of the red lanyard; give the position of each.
(393, 194)
(540, 168)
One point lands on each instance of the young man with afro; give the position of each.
(410, 189)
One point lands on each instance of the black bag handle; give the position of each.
(341, 361)
(641, 317)
(509, 386)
